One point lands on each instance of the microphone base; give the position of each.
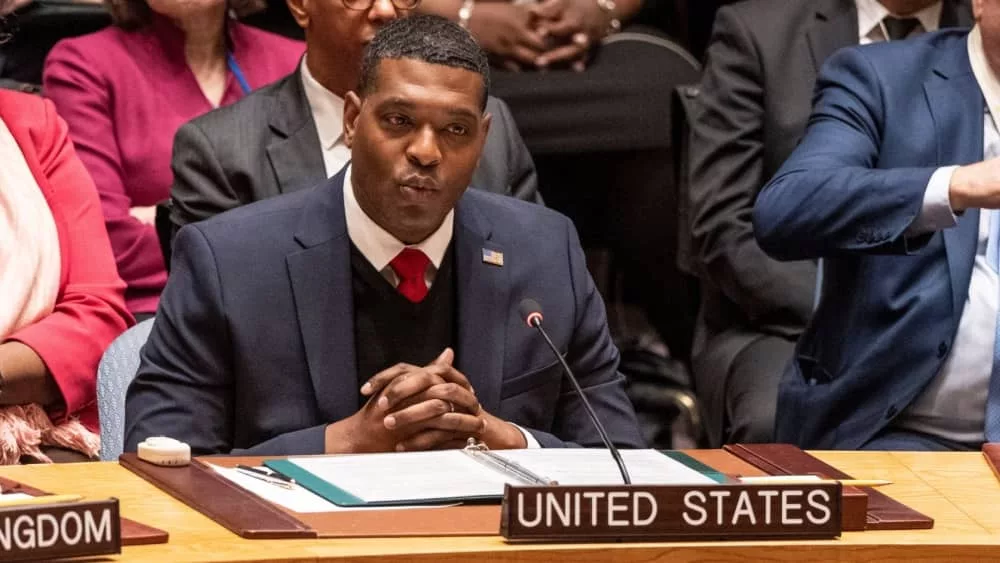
(724, 511)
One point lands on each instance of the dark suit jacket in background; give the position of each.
(267, 144)
(756, 96)
(253, 348)
(887, 116)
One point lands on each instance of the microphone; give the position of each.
(531, 312)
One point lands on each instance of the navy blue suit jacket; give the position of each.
(253, 350)
(886, 116)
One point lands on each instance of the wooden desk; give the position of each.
(957, 489)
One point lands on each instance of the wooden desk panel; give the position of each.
(957, 489)
(964, 483)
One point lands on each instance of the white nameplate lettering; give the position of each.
(661, 512)
(60, 530)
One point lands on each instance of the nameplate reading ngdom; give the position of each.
(76, 529)
(671, 512)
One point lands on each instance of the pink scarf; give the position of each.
(24, 429)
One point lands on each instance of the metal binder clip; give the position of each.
(482, 452)
(473, 444)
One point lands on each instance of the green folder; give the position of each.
(343, 497)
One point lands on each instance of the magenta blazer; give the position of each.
(124, 94)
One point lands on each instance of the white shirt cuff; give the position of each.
(936, 213)
(528, 438)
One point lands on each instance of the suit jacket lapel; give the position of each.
(836, 26)
(320, 276)
(957, 109)
(295, 153)
(483, 304)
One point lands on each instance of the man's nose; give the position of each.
(423, 150)
(382, 11)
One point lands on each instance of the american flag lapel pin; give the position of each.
(493, 257)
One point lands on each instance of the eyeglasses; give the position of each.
(362, 5)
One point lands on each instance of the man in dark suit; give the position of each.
(288, 136)
(755, 99)
(377, 312)
(900, 351)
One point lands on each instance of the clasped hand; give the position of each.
(412, 408)
(539, 35)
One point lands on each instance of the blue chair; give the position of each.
(118, 366)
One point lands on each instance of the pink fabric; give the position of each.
(24, 429)
(90, 308)
(124, 95)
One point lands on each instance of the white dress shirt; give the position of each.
(379, 247)
(872, 12)
(328, 114)
(953, 406)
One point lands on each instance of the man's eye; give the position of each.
(396, 120)
(459, 130)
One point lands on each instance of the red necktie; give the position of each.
(410, 266)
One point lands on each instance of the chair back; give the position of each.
(685, 104)
(37, 27)
(116, 370)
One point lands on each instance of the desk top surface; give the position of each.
(957, 489)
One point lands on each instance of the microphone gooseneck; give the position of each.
(531, 312)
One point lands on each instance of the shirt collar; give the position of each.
(985, 77)
(871, 12)
(327, 108)
(377, 245)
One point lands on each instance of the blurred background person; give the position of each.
(125, 90)
(899, 354)
(289, 136)
(63, 301)
(756, 95)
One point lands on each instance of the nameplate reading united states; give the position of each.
(45, 532)
(671, 512)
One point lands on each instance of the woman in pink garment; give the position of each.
(61, 300)
(125, 90)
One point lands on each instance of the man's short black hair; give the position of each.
(427, 38)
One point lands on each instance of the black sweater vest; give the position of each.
(389, 329)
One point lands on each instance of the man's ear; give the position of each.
(352, 113)
(300, 11)
(977, 9)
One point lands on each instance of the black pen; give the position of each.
(272, 474)
(267, 479)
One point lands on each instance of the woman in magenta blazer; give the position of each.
(125, 90)
(63, 301)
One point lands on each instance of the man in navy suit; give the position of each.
(893, 186)
(378, 312)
